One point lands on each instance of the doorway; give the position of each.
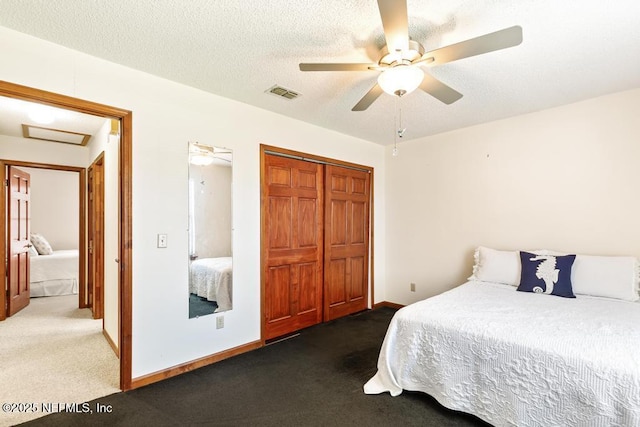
(19, 173)
(125, 117)
(315, 240)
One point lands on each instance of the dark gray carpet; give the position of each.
(199, 306)
(314, 379)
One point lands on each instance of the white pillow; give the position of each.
(42, 245)
(33, 251)
(600, 276)
(496, 266)
(606, 276)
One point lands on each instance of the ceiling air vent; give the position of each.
(282, 92)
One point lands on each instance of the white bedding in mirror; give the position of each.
(211, 278)
(516, 358)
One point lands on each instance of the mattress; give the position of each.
(211, 278)
(55, 274)
(517, 359)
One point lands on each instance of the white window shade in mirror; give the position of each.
(210, 230)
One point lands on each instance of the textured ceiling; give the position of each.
(572, 50)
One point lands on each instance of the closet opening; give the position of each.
(316, 240)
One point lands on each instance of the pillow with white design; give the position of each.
(606, 276)
(496, 266)
(41, 244)
(546, 274)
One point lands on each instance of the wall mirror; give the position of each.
(210, 230)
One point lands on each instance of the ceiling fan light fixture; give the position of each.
(200, 154)
(400, 79)
(41, 114)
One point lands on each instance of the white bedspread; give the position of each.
(211, 278)
(55, 274)
(518, 359)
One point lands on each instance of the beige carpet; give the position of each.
(53, 352)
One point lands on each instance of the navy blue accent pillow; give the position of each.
(548, 274)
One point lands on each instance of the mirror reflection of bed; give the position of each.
(210, 257)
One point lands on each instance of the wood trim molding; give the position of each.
(113, 345)
(95, 221)
(26, 93)
(263, 250)
(288, 152)
(194, 364)
(82, 254)
(125, 320)
(3, 246)
(371, 243)
(388, 304)
(36, 165)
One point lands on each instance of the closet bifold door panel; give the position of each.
(292, 232)
(346, 241)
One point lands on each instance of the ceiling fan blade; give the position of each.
(501, 39)
(336, 67)
(439, 90)
(368, 99)
(395, 23)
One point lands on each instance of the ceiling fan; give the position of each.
(401, 58)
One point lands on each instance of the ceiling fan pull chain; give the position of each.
(401, 129)
(394, 153)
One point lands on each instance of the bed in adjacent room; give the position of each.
(54, 274)
(528, 358)
(211, 278)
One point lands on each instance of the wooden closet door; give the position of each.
(292, 192)
(346, 247)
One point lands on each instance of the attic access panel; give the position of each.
(55, 135)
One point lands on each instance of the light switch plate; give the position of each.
(162, 240)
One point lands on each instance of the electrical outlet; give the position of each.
(413, 287)
(162, 240)
(219, 322)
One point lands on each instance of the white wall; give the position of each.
(102, 142)
(32, 150)
(165, 116)
(111, 238)
(54, 206)
(212, 210)
(564, 179)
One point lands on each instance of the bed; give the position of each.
(517, 358)
(211, 278)
(54, 274)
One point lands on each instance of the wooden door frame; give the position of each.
(3, 245)
(97, 304)
(263, 252)
(82, 301)
(12, 90)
